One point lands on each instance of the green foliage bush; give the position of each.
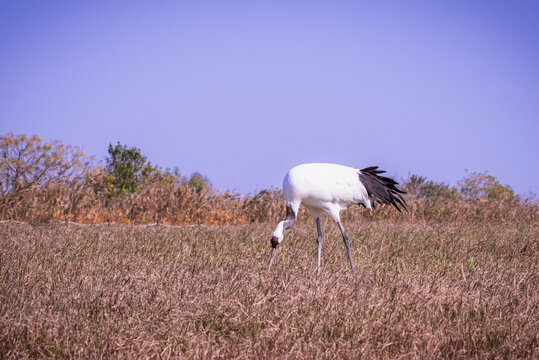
(199, 182)
(127, 168)
(420, 188)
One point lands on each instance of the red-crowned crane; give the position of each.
(328, 189)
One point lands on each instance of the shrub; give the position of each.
(199, 182)
(420, 188)
(29, 162)
(126, 169)
(484, 186)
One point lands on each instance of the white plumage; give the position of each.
(328, 189)
(324, 188)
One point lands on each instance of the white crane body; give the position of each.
(326, 189)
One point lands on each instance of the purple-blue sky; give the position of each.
(243, 90)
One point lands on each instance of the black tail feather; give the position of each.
(382, 189)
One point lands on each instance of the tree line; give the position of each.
(48, 181)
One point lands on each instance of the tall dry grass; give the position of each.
(420, 290)
(51, 182)
(173, 204)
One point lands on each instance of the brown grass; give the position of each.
(168, 203)
(442, 290)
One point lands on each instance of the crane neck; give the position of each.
(290, 217)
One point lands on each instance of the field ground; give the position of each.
(455, 290)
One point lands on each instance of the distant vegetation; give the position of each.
(51, 182)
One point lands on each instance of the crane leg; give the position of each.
(319, 240)
(347, 243)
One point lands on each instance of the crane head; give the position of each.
(277, 235)
(276, 239)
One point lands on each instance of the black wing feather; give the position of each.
(382, 189)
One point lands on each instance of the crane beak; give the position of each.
(273, 249)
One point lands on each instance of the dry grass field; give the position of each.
(420, 290)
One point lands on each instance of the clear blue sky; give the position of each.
(243, 90)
